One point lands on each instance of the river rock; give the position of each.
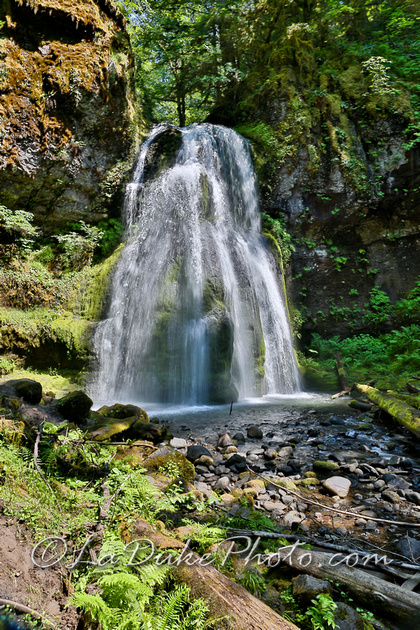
(339, 486)
(270, 453)
(274, 506)
(412, 496)
(255, 432)
(178, 442)
(239, 437)
(238, 461)
(285, 454)
(195, 451)
(224, 441)
(391, 496)
(307, 587)
(204, 460)
(222, 483)
(346, 618)
(325, 466)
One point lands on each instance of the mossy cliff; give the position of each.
(68, 117)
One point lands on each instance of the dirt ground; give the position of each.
(42, 590)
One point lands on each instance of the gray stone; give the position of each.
(412, 496)
(204, 460)
(306, 587)
(238, 461)
(239, 437)
(285, 453)
(274, 506)
(339, 486)
(270, 453)
(254, 432)
(409, 547)
(222, 483)
(178, 442)
(203, 488)
(379, 484)
(391, 496)
(224, 441)
(346, 618)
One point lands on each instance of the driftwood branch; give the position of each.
(404, 414)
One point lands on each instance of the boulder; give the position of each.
(307, 587)
(121, 412)
(74, 406)
(171, 460)
(195, 451)
(346, 618)
(339, 486)
(26, 388)
(325, 466)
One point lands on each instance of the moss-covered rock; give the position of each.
(122, 412)
(325, 466)
(165, 459)
(74, 406)
(26, 388)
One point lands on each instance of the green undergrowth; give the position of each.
(389, 359)
(58, 382)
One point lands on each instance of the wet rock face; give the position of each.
(66, 109)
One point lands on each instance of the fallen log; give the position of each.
(404, 414)
(413, 401)
(230, 604)
(378, 594)
(413, 388)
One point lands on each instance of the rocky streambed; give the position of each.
(320, 449)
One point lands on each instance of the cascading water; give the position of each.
(196, 311)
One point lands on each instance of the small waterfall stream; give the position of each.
(197, 313)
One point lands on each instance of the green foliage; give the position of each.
(6, 365)
(18, 225)
(253, 582)
(408, 309)
(112, 232)
(321, 613)
(379, 308)
(78, 246)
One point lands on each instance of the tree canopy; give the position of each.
(197, 56)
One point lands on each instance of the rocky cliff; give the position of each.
(68, 119)
(348, 191)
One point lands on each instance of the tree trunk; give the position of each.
(341, 371)
(404, 414)
(230, 604)
(385, 597)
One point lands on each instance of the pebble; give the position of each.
(222, 483)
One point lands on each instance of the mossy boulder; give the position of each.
(26, 388)
(325, 466)
(166, 458)
(75, 406)
(122, 412)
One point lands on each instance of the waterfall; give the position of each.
(197, 312)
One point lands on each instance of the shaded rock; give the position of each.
(409, 547)
(26, 388)
(346, 618)
(166, 458)
(195, 451)
(391, 496)
(306, 587)
(238, 461)
(339, 486)
(254, 432)
(178, 442)
(270, 453)
(204, 460)
(239, 437)
(140, 430)
(112, 428)
(412, 496)
(74, 406)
